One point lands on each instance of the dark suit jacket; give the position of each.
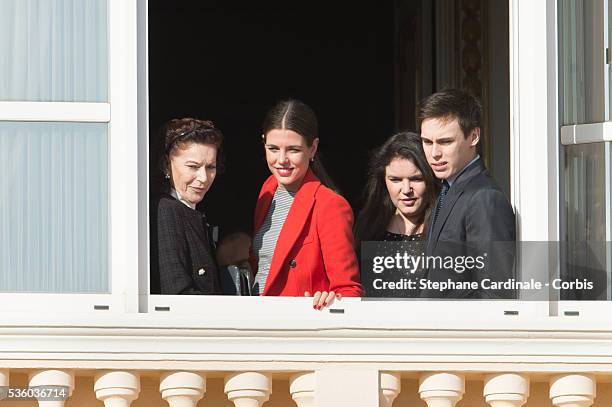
(475, 218)
(182, 260)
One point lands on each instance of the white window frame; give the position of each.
(534, 168)
(583, 134)
(533, 96)
(596, 133)
(120, 114)
(534, 144)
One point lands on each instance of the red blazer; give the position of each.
(314, 251)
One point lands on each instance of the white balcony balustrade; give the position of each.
(364, 354)
(441, 389)
(182, 389)
(506, 390)
(4, 377)
(248, 389)
(390, 387)
(573, 390)
(302, 389)
(47, 379)
(117, 388)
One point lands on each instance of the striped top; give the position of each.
(265, 238)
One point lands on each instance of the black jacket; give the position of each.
(475, 219)
(182, 258)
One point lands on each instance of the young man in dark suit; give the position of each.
(472, 214)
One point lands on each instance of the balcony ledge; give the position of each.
(287, 334)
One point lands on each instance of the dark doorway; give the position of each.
(362, 66)
(229, 62)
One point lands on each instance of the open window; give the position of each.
(363, 74)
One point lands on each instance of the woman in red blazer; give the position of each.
(303, 243)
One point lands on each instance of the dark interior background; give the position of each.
(229, 62)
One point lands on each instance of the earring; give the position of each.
(167, 176)
(312, 160)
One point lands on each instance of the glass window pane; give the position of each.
(54, 50)
(54, 207)
(582, 56)
(587, 182)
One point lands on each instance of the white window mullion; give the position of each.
(123, 151)
(534, 119)
(534, 127)
(55, 112)
(586, 133)
(143, 154)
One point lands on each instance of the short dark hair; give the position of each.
(452, 104)
(178, 132)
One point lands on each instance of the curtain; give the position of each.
(54, 207)
(54, 50)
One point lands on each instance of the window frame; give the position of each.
(534, 111)
(119, 114)
(598, 132)
(540, 94)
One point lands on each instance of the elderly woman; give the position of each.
(183, 261)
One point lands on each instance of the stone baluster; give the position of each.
(506, 390)
(117, 388)
(4, 380)
(390, 387)
(302, 389)
(4, 377)
(248, 389)
(182, 389)
(441, 389)
(573, 390)
(48, 381)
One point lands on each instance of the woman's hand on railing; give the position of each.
(322, 299)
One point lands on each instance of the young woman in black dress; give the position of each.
(399, 198)
(400, 193)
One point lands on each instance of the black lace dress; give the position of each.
(397, 237)
(401, 280)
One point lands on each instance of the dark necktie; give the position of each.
(443, 192)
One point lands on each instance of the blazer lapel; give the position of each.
(453, 195)
(455, 191)
(293, 226)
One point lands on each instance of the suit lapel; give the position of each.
(301, 207)
(454, 193)
(449, 201)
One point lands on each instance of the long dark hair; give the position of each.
(297, 116)
(378, 209)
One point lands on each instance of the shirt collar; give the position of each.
(452, 180)
(176, 195)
